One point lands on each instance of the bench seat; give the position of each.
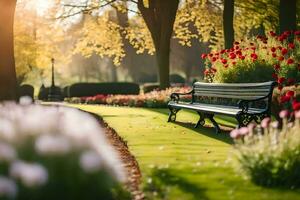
(217, 109)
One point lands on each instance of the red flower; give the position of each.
(224, 61)
(290, 61)
(274, 55)
(239, 52)
(234, 63)
(203, 56)
(237, 47)
(281, 80)
(284, 99)
(280, 87)
(280, 58)
(291, 45)
(223, 51)
(206, 71)
(290, 93)
(253, 48)
(236, 43)
(284, 51)
(213, 59)
(214, 70)
(211, 55)
(232, 56)
(277, 67)
(242, 57)
(297, 33)
(275, 76)
(273, 49)
(296, 105)
(279, 47)
(272, 33)
(254, 56)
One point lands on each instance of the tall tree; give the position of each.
(159, 16)
(287, 15)
(228, 29)
(8, 80)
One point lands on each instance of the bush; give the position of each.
(48, 153)
(44, 93)
(258, 59)
(149, 87)
(92, 89)
(26, 90)
(268, 155)
(245, 72)
(66, 91)
(176, 78)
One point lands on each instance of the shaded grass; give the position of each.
(179, 161)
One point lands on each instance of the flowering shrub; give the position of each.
(263, 59)
(55, 153)
(268, 155)
(154, 99)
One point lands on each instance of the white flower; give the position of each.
(7, 130)
(31, 175)
(7, 152)
(91, 161)
(8, 187)
(52, 145)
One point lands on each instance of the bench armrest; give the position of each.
(176, 96)
(244, 104)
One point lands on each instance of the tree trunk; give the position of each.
(287, 15)
(8, 80)
(228, 29)
(159, 17)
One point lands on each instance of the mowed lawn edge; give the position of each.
(180, 162)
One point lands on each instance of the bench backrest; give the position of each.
(242, 91)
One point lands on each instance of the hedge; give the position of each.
(92, 89)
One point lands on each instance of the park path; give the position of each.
(179, 162)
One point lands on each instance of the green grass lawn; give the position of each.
(179, 162)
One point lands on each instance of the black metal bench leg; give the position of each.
(172, 114)
(244, 119)
(216, 125)
(201, 121)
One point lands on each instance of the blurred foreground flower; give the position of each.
(55, 153)
(268, 155)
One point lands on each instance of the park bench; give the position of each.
(244, 101)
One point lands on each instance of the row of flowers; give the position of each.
(154, 99)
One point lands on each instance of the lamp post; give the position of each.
(54, 94)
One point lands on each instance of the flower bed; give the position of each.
(268, 155)
(55, 153)
(154, 99)
(276, 57)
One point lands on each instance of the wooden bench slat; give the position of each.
(230, 96)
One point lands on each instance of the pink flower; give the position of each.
(265, 122)
(235, 134)
(244, 131)
(297, 114)
(284, 114)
